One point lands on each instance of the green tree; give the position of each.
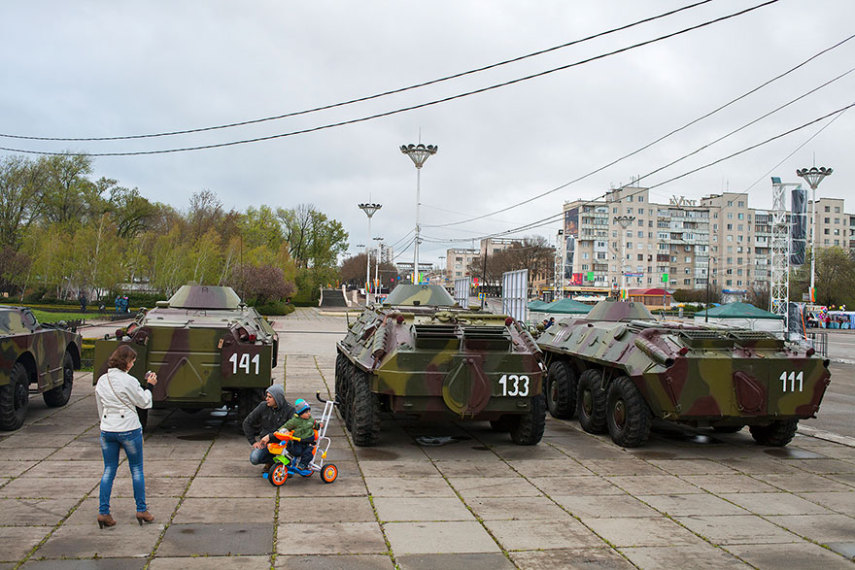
(834, 278)
(22, 191)
(70, 196)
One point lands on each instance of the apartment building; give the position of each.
(457, 262)
(683, 244)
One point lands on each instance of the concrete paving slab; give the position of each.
(81, 451)
(804, 482)
(841, 502)
(655, 485)
(16, 542)
(326, 510)
(169, 468)
(603, 506)
(398, 487)
(29, 453)
(34, 512)
(484, 467)
(582, 485)
(87, 564)
(120, 541)
(207, 562)
(333, 538)
(396, 509)
(123, 510)
(549, 468)
(346, 485)
(740, 529)
(154, 486)
(758, 465)
(472, 487)
(800, 555)
(225, 510)
(738, 483)
(487, 561)
(615, 467)
(438, 537)
(699, 557)
(88, 469)
(594, 558)
(513, 453)
(775, 504)
(846, 479)
(845, 549)
(342, 562)
(217, 487)
(692, 467)
(231, 468)
(409, 469)
(15, 468)
(22, 441)
(516, 508)
(46, 487)
(828, 466)
(217, 539)
(687, 505)
(822, 529)
(565, 532)
(654, 531)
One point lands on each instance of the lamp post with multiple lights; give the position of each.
(370, 210)
(419, 154)
(813, 176)
(624, 222)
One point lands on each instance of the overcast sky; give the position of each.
(121, 68)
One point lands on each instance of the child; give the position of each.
(304, 428)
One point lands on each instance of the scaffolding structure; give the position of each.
(780, 286)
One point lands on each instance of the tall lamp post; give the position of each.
(369, 210)
(419, 154)
(377, 285)
(624, 222)
(813, 176)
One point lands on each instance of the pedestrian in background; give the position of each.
(118, 395)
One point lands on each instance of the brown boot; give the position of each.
(105, 520)
(145, 517)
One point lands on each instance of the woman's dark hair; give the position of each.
(121, 357)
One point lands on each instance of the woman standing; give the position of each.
(118, 395)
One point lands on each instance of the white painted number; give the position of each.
(513, 385)
(244, 363)
(792, 377)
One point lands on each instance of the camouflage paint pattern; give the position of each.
(41, 351)
(205, 345)
(701, 375)
(426, 356)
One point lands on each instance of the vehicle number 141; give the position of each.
(514, 385)
(244, 363)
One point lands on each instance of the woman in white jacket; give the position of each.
(118, 395)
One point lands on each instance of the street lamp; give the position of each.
(377, 284)
(369, 210)
(813, 176)
(419, 154)
(624, 222)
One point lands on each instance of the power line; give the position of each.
(412, 107)
(368, 97)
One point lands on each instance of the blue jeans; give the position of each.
(259, 456)
(132, 443)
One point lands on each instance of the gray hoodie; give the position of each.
(263, 419)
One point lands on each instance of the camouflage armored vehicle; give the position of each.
(618, 369)
(31, 353)
(420, 354)
(206, 346)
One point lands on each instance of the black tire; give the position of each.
(60, 395)
(347, 397)
(561, 387)
(341, 366)
(364, 411)
(627, 414)
(727, 429)
(15, 398)
(591, 402)
(527, 429)
(142, 414)
(247, 400)
(777, 434)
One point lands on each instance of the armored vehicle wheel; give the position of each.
(527, 429)
(364, 411)
(247, 400)
(341, 366)
(277, 475)
(777, 434)
(627, 414)
(591, 402)
(59, 396)
(329, 473)
(15, 398)
(561, 390)
(727, 429)
(347, 396)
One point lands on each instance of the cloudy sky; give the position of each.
(88, 69)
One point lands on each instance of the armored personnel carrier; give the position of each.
(206, 346)
(618, 369)
(421, 354)
(33, 354)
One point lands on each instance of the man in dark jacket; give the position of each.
(259, 425)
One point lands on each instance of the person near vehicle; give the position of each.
(265, 419)
(303, 425)
(118, 395)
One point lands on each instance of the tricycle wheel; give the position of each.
(329, 473)
(277, 475)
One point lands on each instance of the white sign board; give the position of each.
(461, 291)
(515, 294)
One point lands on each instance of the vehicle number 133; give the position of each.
(514, 385)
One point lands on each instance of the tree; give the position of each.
(206, 211)
(70, 195)
(22, 191)
(834, 278)
(131, 211)
(262, 283)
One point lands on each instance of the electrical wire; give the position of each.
(369, 97)
(412, 107)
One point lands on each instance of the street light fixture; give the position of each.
(419, 154)
(813, 176)
(369, 210)
(624, 222)
(377, 284)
